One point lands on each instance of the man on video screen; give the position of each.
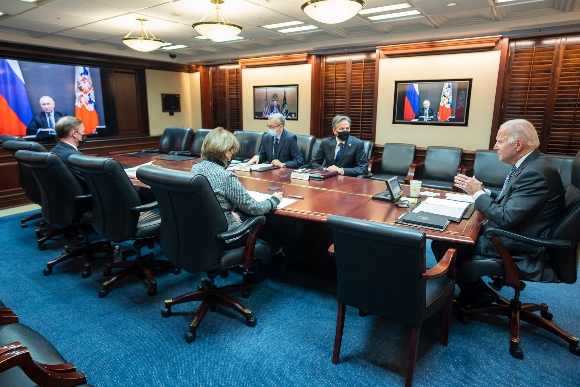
(44, 120)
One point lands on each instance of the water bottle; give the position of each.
(117, 254)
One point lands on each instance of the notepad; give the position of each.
(132, 172)
(451, 209)
(260, 197)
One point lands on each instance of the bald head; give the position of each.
(46, 104)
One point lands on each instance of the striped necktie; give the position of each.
(507, 179)
(276, 142)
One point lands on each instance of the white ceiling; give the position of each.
(99, 25)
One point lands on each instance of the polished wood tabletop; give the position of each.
(340, 195)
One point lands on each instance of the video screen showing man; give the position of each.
(44, 120)
(426, 112)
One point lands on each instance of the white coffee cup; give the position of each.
(415, 188)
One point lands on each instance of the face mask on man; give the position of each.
(83, 139)
(272, 132)
(343, 136)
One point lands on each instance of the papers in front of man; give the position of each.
(459, 197)
(260, 197)
(452, 209)
(132, 172)
(252, 167)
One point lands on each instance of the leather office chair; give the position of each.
(562, 254)
(119, 215)
(440, 167)
(198, 142)
(63, 205)
(489, 170)
(315, 148)
(27, 182)
(174, 139)
(381, 270)
(194, 238)
(397, 160)
(564, 165)
(249, 144)
(28, 359)
(9, 137)
(306, 142)
(368, 145)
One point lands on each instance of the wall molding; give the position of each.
(280, 60)
(487, 43)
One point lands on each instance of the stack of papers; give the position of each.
(132, 172)
(260, 197)
(452, 209)
(459, 197)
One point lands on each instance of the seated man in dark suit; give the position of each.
(46, 119)
(342, 152)
(279, 146)
(71, 132)
(529, 202)
(426, 113)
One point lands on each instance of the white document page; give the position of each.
(260, 197)
(253, 167)
(449, 208)
(459, 197)
(132, 172)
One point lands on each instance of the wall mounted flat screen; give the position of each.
(276, 99)
(432, 102)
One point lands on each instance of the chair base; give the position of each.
(211, 296)
(516, 312)
(23, 221)
(86, 250)
(142, 267)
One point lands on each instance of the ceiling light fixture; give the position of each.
(386, 8)
(298, 29)
(395, 15)
(280, 25)
(332, 11)
(144, 43)
(217, 30)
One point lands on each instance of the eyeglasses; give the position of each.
(271, 127)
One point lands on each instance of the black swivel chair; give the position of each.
(174, 139)
(194, 238)
(249, 144)
(368, 145)
(564, 165)
(440, 167)
(118, 215)
(397, 160)
(305, 143)
(381, 270)
(489, 170)
(198, 142)
(9, 137)
(63, 204)
(315, 148)
(562, 254)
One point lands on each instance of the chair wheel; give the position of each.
(23, 224)
(574, 348)
(547, 315)
(517, 353)
(152, 291)
(47, 271)
(41, 247)
(246, 293)
(86, 274)
(103, 293)
(166, 312)
(190, 337)
(176, 271)
(251, 321)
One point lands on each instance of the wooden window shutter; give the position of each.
(226, 98)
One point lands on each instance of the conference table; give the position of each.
(340, 195)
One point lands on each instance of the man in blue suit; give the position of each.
(279, 146)
(71, 132)
(45, 119)
(342, 152)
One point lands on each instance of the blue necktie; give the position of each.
(274, 156)
(338, 154)
(507, 180)
(50, 121)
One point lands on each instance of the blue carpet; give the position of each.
(122, 340)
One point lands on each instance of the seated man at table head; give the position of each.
(236, 203)
(426, 112)
(529, 203)
(342, 152)
(279, 146)
(46, 119)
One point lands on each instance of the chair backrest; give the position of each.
(441, 163)
(379, 268)
(58, 187)
(564, 166)
(27, 181)
(175, 139)
(113, 196)
(9, 137)
(191, 217)
(249, 144)
(489, 170)
(397, 158)
(368, 145)
(575, 174)
(315, 147)
(198, 142)
(306, 142)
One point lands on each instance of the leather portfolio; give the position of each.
(424, 220)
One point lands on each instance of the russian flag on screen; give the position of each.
(411, 102)
(85, 99)
(15, 110)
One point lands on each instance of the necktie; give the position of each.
(338, 154)
(50, 121)
(507, 179)
(275, 155)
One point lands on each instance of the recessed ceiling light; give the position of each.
(177, 46)
(237, 37)
(280, 25)
(395, 15)
(28, 1)
(1, 13)
(175, 13)
(297, 29)
(384, 9)
(201, 37)
(451, 4)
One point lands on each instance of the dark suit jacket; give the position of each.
(422, 113)
(354, 160)
(64, 151)
(288, 150)
(39, 122)
(529, 205)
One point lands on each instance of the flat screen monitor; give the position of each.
(394, 189)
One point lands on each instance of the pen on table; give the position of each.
(295, 197)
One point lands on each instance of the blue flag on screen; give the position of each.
(15, 110)
(411, 102)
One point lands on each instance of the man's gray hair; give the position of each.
(278, 117)
(522, 129)
(337, 119)
(65, 125)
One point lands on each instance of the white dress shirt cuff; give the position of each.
(479, 193)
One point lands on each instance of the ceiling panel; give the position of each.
(31, 24)
(15, 7)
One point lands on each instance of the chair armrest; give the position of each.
(253, 225)
(145, 207)
(83, 198)
(242, 228)
(411, 173)
(445, 265)
(419, 167)
(7, 316)
(540, 242)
